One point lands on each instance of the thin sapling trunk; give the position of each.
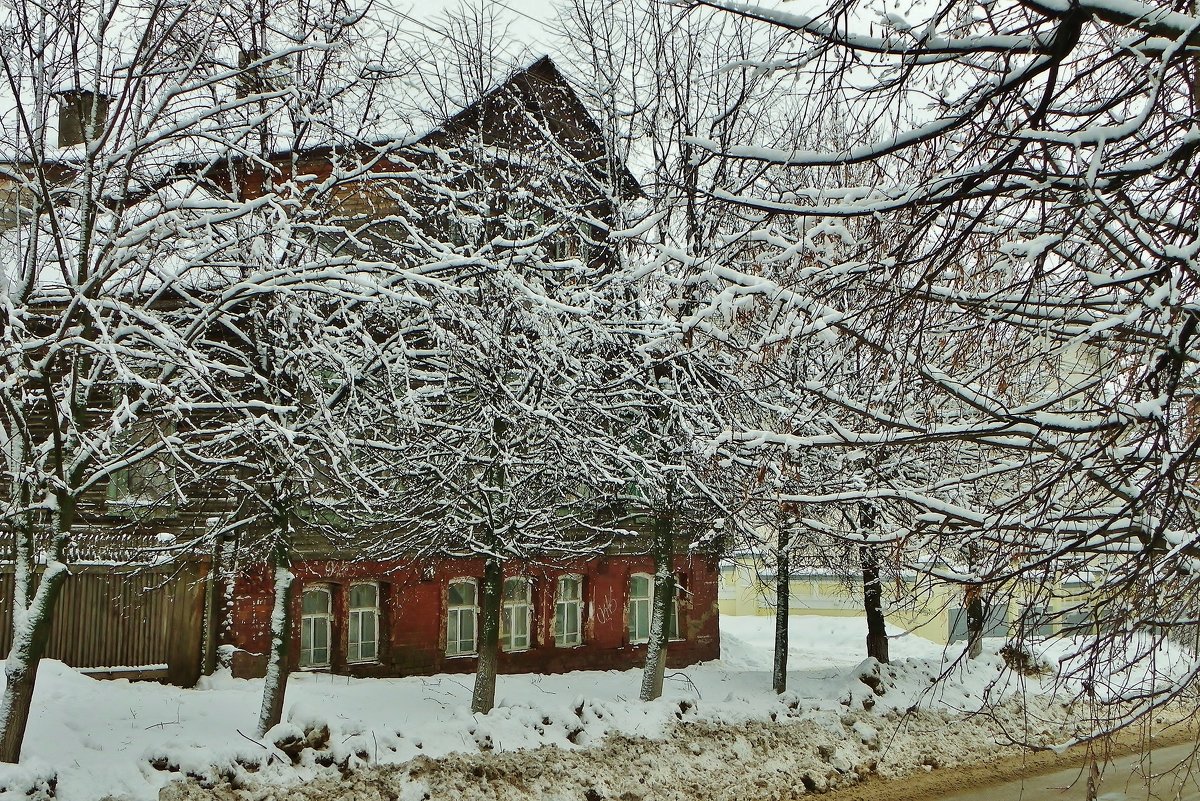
(213, 609)
(783, 592)
(975, 615)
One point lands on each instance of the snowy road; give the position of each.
(1172, 776)
(1044, 776)
(1170, 770)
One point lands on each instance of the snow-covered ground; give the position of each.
(102, 738)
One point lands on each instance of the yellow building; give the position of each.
(932, 610)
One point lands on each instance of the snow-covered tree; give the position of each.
(130, 238)
(1040, 173)
(499, 446)
(654, 76)
(285, 449)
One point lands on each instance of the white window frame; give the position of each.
(673, 629)
(509, 611)
(357, 612)
(310, 619)
(455, 613)
(630, 616)
(568, 639)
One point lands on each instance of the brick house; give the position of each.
(368, 618)
(361, 616)
(356, 615)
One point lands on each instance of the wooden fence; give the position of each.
(125, 622)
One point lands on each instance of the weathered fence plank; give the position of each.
(126, 621)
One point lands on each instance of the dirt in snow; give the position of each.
(809, 752)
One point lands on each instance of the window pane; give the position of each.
(305, 641)
(320, 637)
(639, 620)
(364, 596)
(316, 601)
(568, 589)
(362, 636)
(462, 593)
(573, 623)
(560, 623)
(516, 589)
(369, 647)
(639, 587)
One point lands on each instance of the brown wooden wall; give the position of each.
(125, 618)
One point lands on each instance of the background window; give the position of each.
(673, 621)
(315, 623)
(461, 614)
(641, 596)
(638, 614)
(149, 482)
(568, 612)
(515, 614)
(362, 643)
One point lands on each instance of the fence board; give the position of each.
(124, 617)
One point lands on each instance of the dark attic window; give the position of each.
(77, 110)
(255, 73)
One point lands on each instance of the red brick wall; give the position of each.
(413, 623)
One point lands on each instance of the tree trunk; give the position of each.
(32, 618)
(31, 632)
(877, 642)
(484, 696)
(975, 615)
(663, 600)
(275, 684)
(213, 608)
(783, 591)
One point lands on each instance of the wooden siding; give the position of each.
(125, 618)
